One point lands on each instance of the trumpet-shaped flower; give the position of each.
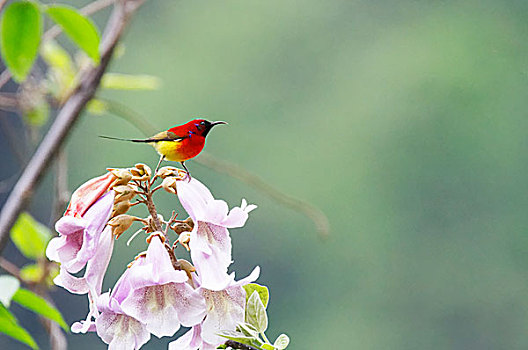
(113, 325)
(159, 295)
(88, 193)
(210, 241)
(225, 310)
(192, 340)
(80, 240)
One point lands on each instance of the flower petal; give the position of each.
(97, 217)
(163, 307)
(67, 225)
(194, 197)
(156, 268)
(71, 283)
(226, 310)
(120, 331)
(96, 267)
(211, 254)
(87, 194)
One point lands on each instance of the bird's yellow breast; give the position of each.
(170, 149)
(180, 151)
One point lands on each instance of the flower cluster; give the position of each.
(158, 293)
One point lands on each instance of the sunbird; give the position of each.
(180, 142)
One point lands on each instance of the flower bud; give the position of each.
(88, 193)
(141, 172)
(181, 227)
(123, 175)
(124, 193)
(121, 223)
(169, 184)
(120, 208)
(189, 221)
(157, 233)
(184, 239)
(167, 171)
(186, 266)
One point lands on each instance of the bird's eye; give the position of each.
(203, 123)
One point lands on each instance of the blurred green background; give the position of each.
(405, 122)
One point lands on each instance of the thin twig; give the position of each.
(64, 121)
(4, 77)
(10, 268)
(9, 101)
(2, 3)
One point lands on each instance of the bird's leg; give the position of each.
(159, 163)
(156, 172)
(187, 170)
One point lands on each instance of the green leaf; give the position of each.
(8, 287)
(31, 273)
(38, 115)
(262, 291)
(282, 342)
(62, 71)
(79, 28)
(96, 107)
(268, 347)
(236, 336)
(20, 37)
(9, 326)
(39, 305)
(30, 236)
(256, 313)
(118, 81)
(248, 330)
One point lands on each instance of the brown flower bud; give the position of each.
(186, 266)
(120, 208)
(169, 185)
(189, 221)
(123, 193)
(184, 239)
(157, 233)
(141, 172)
(180, 227)
(121, 223)
(167, 171)
(123, 176)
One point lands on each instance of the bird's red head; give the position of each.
(200, 126)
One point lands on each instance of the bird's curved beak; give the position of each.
(217, 123)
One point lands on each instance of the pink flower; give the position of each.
(191, 340)
(82, 242)
(113, 325)
(159, 296)
(225, 310)
(88, 193)
(210, 241)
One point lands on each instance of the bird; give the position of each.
(178, 143)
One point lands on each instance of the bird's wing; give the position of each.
(166, 136)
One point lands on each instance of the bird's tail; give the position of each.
(120, 139)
